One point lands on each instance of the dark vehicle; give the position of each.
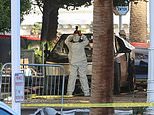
(141, 66)
(123, 62)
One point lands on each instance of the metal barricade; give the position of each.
(40, 80)
(5, 82)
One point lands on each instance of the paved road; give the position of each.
(27, 111)
(123, 97)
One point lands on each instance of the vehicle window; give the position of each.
(141, 56)
(60, 51)
(4, 112)
(61, 48)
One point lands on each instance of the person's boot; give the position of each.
(86, 94)
(69, 94)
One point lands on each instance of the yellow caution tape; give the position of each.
(49, 96)
(90, 105)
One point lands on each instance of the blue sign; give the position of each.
(121, 10)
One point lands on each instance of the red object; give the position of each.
(29, 37)
(140, 44)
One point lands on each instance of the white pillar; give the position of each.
(15, 49)
(150, 88)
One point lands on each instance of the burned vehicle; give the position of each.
(123, 62)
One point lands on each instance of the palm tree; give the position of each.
(50, 14)
(50, 20)
(138, 21)
(102, 72)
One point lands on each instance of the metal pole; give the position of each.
(150, 88)
(15, 49)
(120, 22)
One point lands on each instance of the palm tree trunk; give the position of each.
(138, 21)
(102, 72)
